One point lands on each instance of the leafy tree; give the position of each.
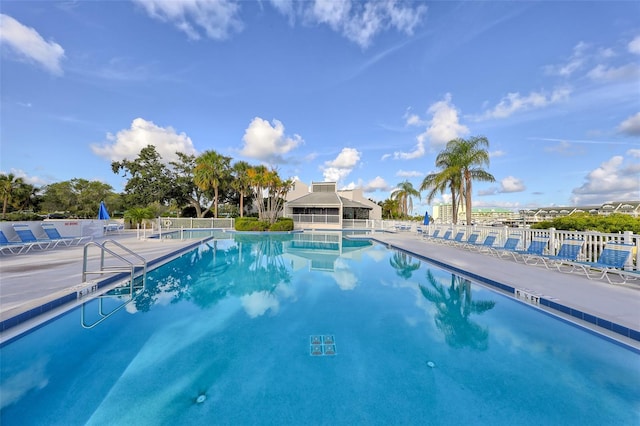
(404, 195)
(185, 191)
(390, 208)
(616, 222)
(211, 170)
(79, 197)
(149, 179)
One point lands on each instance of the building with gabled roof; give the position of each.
(323, 206)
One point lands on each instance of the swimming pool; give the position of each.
(294, 329)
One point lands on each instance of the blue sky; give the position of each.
(363, 93)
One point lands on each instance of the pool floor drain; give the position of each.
(431, 364)
(201, 398)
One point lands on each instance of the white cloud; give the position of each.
(497, 153)
(634, 45)
(339, 168)
(217, 18)
(565, 148)
(343, 276)
(613, 180)
(635, 153)
(514, 102)
(128, 143)
(267, 142)
(360, 21)
(631, 126)
(627, 72)
(409, 173)
(511, 184)
(443, 126)
(376, 184)
(31, 180)
(29, 45)
(574, 63)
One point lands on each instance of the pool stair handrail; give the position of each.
(569, 252)
(611, 261)
(128, 266)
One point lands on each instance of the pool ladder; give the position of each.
(128, 266)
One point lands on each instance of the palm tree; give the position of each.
(9, 184)
(449, 177)
(210, 172)
(389, 208)
(403, 264)
(404, 194)
(241, 181)
(471, 155)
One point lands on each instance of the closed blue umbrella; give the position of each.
(103, 214)
(426, 218)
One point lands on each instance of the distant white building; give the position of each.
(323, 206)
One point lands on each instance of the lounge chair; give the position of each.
(512, 243)
(473, 238)
(457, 239)
(536, 247)
(611, 261)
(569, 251)
(444, 238)
(12, 247)
(26, 236)
(435, 234)
(485, 245)
(52, 232)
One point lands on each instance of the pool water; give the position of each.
(314, 330)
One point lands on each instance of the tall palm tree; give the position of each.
(470, 155)
(449, 177)
(241, 182)
(210, 172)
(404, 193)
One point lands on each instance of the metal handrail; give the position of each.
(103, 269)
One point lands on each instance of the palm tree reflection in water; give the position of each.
(454, 306)
(401, 262)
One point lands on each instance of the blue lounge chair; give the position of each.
(457, 239)
(445, 237)
(611, 261)
(53, 234)
(26, 236)
(569, 252)
(485, 245)
(473, 238)
(435, 234)
(510, 245)
(12, 247)
(536, 247)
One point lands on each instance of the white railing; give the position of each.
(315, 218)
(594, 241)
(165, 223)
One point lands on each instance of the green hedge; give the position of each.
(253, 224)
(616, 222)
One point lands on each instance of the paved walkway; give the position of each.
(31, 280)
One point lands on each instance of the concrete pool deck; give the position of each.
(31, 280)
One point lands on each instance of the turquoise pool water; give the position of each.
(304, 329)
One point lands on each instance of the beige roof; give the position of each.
(324, 199)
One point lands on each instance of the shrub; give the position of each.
(283, 224)
(250, 224)
(585, 222)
